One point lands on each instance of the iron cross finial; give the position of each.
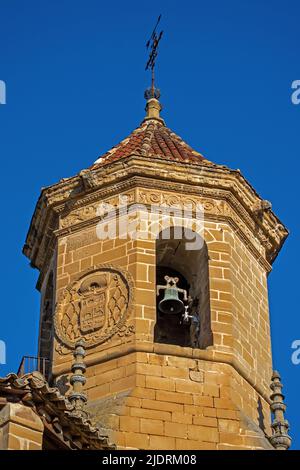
(152, 44)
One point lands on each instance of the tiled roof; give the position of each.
(151, 139)
(33, 390)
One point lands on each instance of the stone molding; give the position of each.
(59, 204)
(210, 354)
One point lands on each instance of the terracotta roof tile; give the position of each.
(34, 391)
(152, 138)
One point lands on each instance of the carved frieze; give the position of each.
(95, 307)
(79, 215)
(74, 202)
(89, 212)
(221, 204)
(174, 200)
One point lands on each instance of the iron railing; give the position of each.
(31, 364)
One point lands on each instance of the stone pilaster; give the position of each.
(280, 426)
(77, 380)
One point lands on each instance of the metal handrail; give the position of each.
(32, 363)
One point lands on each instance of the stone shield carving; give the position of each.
(95, 307)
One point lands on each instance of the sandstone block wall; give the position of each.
(178, 397)
(20, 428)
(152, 400)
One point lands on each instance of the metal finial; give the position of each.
(152, 44)
(280, 426)
(152, 93)
(77, 397)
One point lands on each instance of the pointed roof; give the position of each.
(151, 139)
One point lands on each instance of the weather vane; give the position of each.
(152, 44)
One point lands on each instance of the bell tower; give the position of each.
(157, 259)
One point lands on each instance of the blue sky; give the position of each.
(75, 79)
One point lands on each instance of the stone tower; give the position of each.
(106, 239)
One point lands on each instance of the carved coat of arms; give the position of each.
(94, 307)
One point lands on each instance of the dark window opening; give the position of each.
(169, 327)
(175, 259)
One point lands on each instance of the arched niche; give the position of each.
(183, 253)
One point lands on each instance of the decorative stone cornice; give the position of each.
(62, 202)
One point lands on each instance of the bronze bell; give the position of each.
(171, 302)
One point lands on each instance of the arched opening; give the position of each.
(183, 255)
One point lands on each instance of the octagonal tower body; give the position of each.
(152, 382)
